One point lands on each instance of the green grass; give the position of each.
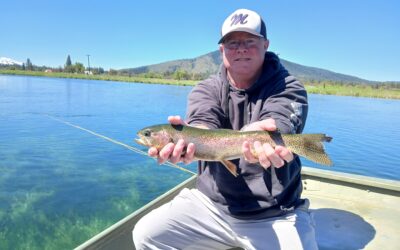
(361, 90)
(354, 90)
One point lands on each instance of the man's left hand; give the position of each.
(266, 155)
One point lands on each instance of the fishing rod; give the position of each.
(170, 164)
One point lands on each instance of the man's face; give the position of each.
(243, 53)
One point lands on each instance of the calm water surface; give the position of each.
(60, 185)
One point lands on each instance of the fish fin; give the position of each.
(230, 166)
(309, 146)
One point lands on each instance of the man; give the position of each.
(261, 208)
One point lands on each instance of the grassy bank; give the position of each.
(104, 77)
(361, 90)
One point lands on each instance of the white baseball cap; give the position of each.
(244, 20)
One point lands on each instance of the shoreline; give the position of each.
(103, 77)
(339, 89)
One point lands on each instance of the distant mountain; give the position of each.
(209, 63)
(317, 74)
(205, 64)
(9, 61)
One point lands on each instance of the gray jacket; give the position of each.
(255, 193)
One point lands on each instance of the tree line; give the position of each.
(69, 67)
(79, 68)
(179, 74)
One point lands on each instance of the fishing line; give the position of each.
(170, 164)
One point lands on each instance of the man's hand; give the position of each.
(174, 152)
(266, 154)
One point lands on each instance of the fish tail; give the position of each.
(309, 146)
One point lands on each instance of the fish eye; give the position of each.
(147, 133)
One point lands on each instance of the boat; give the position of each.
(350, 212)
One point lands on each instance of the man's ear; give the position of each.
(221, 48)
(266, 44)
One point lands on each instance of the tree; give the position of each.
(68, 62)
(23, 66)
(181, 75)
(97, 71)
(29, 65)
(112, 72)
(78, 67)
(68, 67)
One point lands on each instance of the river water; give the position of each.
(60, 185)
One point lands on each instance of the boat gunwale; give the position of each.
(375, 184)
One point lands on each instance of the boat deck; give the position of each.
(350, 212)
(353, 212)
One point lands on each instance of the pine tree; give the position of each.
(68, 62)
(68, 65)
(29, 65)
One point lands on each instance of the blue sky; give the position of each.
(355, 37)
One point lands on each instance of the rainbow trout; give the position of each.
(224, 144)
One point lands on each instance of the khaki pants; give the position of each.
(192, 221)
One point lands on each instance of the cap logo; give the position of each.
(239, 18)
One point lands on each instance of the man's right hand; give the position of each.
(174, 152)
